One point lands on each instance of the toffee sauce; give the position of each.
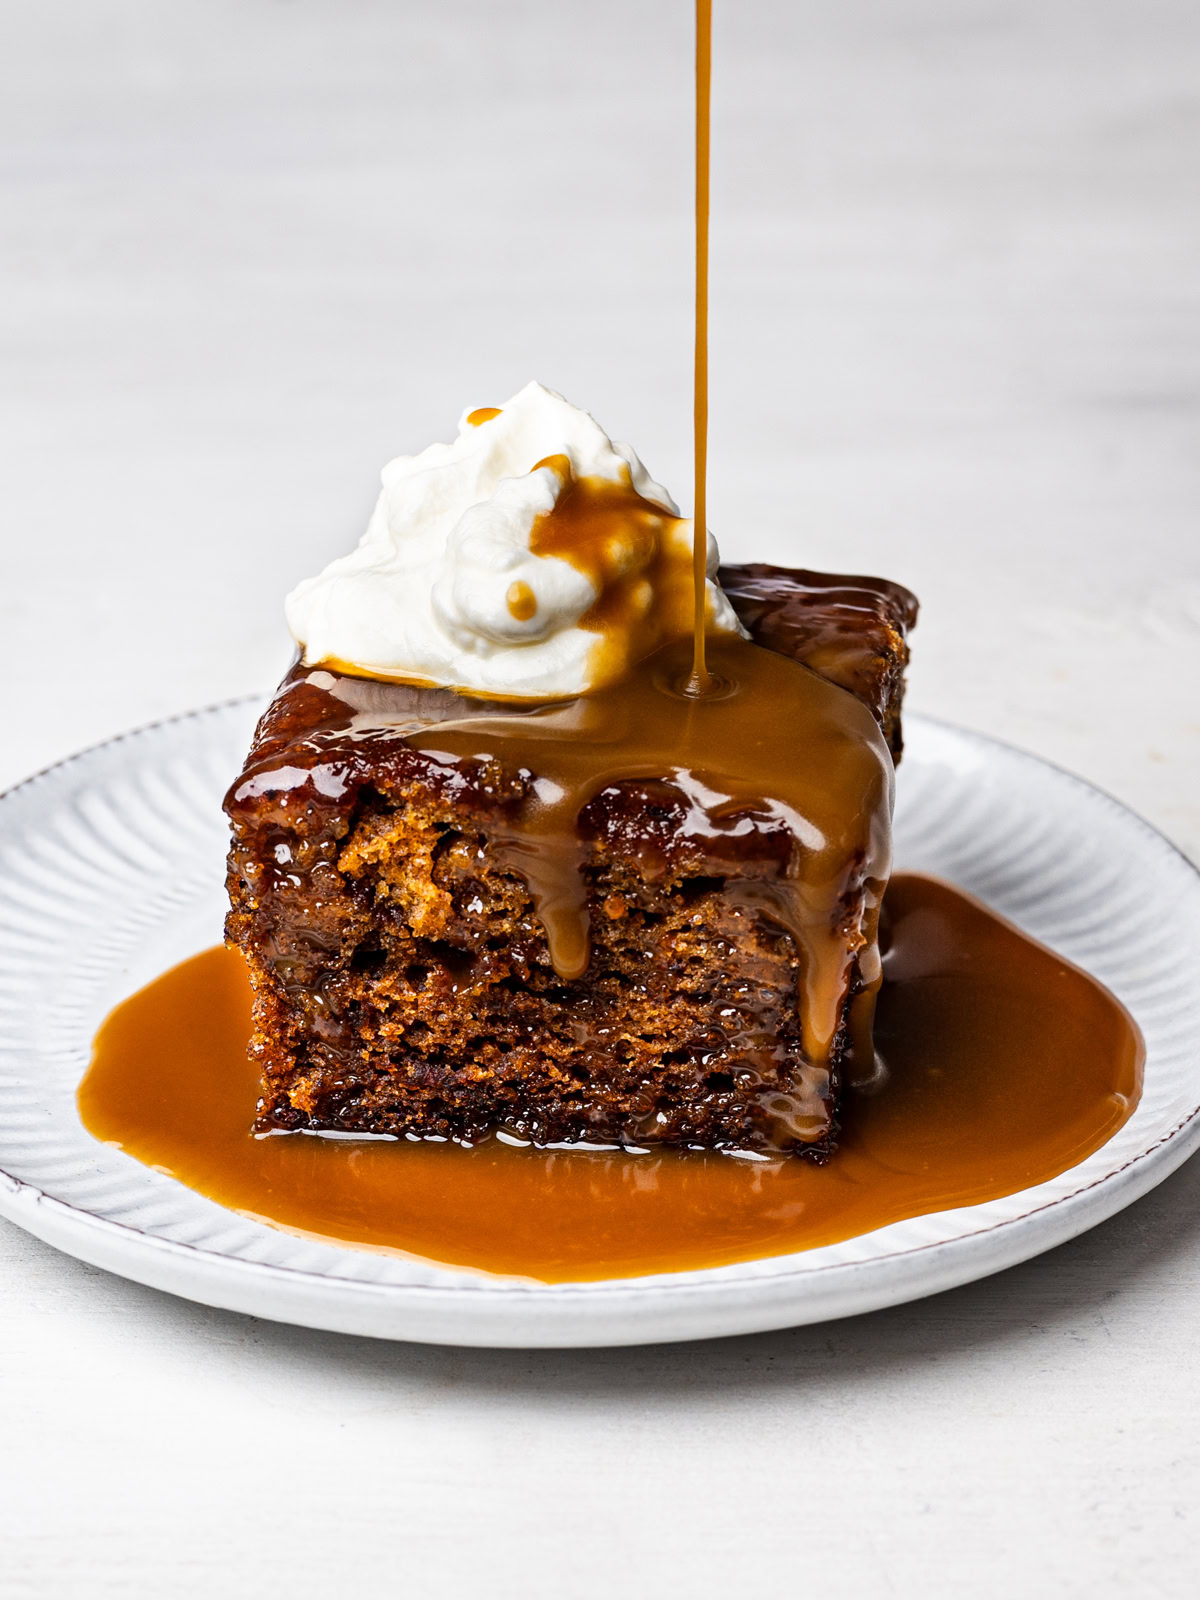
(699, 683)
(996, 1064)
(999, 1066)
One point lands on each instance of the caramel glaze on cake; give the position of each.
(464, 916)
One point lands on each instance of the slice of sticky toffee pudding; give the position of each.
(497, 868)
(674, 963)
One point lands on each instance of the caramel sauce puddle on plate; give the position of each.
(1001, 1065)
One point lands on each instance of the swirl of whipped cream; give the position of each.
(533, 557)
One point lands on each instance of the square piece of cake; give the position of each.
(433, 954)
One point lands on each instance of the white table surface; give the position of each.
(248, 251)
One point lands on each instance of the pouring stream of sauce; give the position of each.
(699, 682)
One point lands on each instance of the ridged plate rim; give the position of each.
(428, 1303)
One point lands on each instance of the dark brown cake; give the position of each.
(853, 631)
(404, 982)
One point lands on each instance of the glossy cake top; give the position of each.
(852, 631)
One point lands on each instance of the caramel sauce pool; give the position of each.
(1004, 1065)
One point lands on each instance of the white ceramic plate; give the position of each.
(111, 870)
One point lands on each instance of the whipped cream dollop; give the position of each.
(534, 556)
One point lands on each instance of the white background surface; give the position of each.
(247, 251)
